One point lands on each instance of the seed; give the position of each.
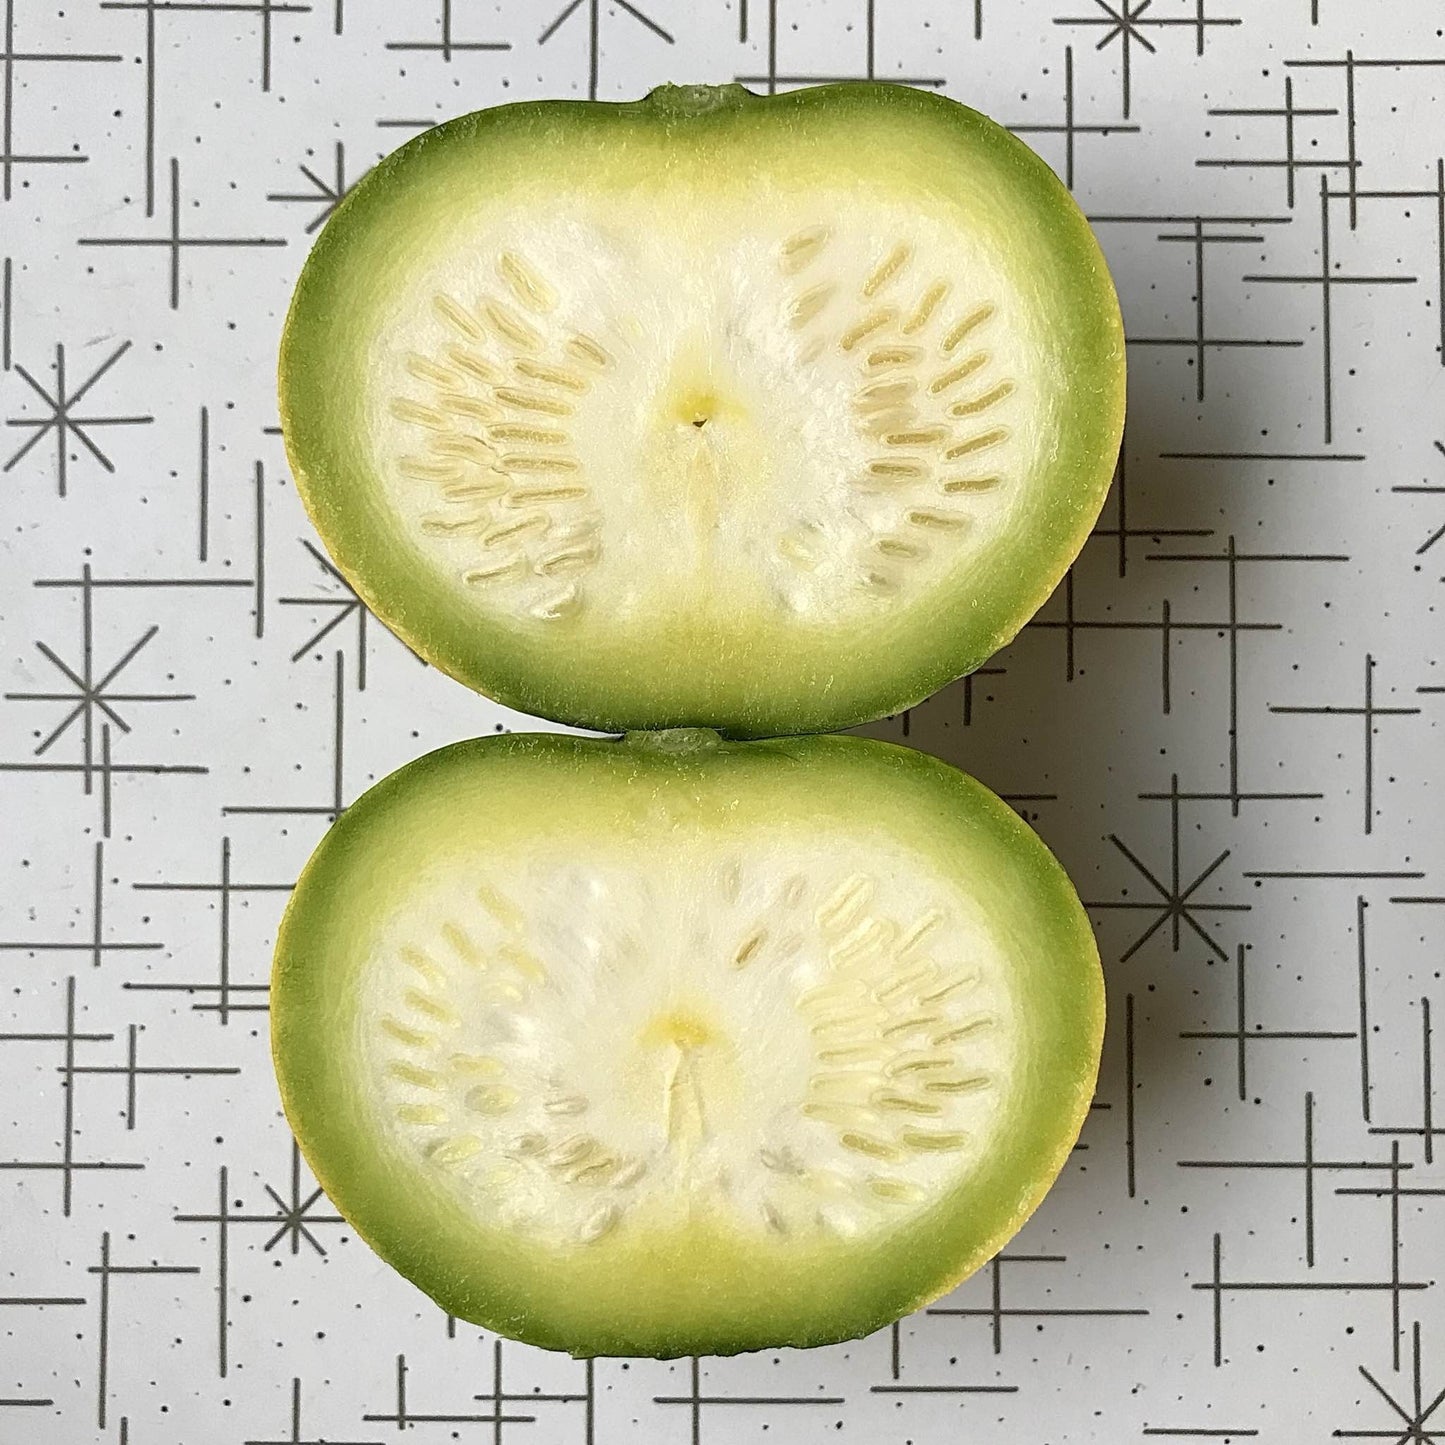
(846, 1115)
(845, 904)
(566, 1104)
(598, 1224)
(536, 401)
(965, 368)
(454, 1151)
(586, 348)
(904, 1103)
(866, 327)
(926, 1142)
(491, 1099)
(927, 304)
(458, 317)
(871, 1145)
(412, 1038)
(425, 1003)
(748, 949)
(422, 1114)
(891, 265)
(773, 1219)
(970, 1085)
(526, 285)
(971, 322)
(982, 403)
(899, 1189)
(806, 307)
(973, 1026)
(411, 1074)
(404, 409)
(979, 443)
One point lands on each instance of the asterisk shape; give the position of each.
(61, 419)
(90, 696)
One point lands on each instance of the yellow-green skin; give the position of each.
(939, 155)
(701, 1289)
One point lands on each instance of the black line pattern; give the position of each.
(1226, 721)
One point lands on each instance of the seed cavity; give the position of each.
(927, 305)
(491, 1099)
(887, 269)
(900, 1190)
(458, 317)
(598, 1224)
(525, 284)
(963, 329)
(844, 906)
(978, 404)
(405, 409)
(929, 1142)
(457, 1150)
(860, 330)
(748, 949)
(892, 468)
(886, 356)
(974, 1084)
(772, 1218)
(926, 436)
(871, 1145)
(805, 309)
(414, 1074)
(566, 1104)
(981, 442)
(802, 248)
(974, 1026)
(405, 1034)
(883, 394)
(589, 349)
(429, 1114)
(931, 517)
(433, 1008)
(955, 374)
(904, 1103)
(538, 401)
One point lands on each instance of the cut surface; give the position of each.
(690, 1062)
(706, 409)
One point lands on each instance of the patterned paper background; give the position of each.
(1227, 722)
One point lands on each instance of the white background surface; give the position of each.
(1110, 1337)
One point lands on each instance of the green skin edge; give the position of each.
(406, 197)
(704, 1290)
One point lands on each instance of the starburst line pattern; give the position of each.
(61, 420)
(325, 194)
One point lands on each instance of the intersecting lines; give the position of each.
(224, 997)
(342, 609)
(1126, 24)
(265, 10)
(1176, 903)
(92, 697)
(405, 1417)
(61, 419)
(594, 30)
(296, 1437)
(108, 1273)
(996, 1311)
(1415, 1415)
(697, 1402)
(1308, 1165)
(1369, 712)
(293, 1219)
(325, 195)
(1197, 233)
(1071, 128)
(773, 77)
(1327, 278)
(10, 60)
(446, 44)
(67, 1165)
(176, 241)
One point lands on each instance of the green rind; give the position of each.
(700, 1293)
(417, 192)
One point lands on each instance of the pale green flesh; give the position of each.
(771, 416)
(670, 1046)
